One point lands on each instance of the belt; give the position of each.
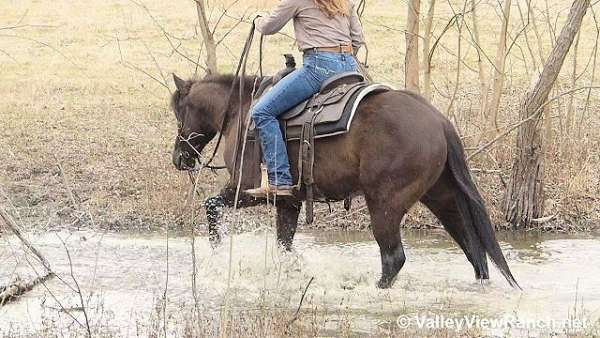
(339, 49)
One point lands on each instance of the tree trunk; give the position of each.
(208, 37)
(426, 47)
(524, 200)
(411, 63)
(498, 84)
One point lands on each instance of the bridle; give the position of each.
(240, 68)
(186, 154)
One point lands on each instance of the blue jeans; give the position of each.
(296, 87)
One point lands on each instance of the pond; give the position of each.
(123, 276)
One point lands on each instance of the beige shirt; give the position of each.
(312, 27)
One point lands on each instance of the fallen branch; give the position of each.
(18, 287)
(543, 219)
(13, 227)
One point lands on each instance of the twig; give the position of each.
(301, 301)
(23, 26)
(66, 182)
(168, 36)
(78, 67)
(158, 67)
(9, 56)
(164, 301)
(242, 19)
(77, 288)
(134, 67)
(189, 203)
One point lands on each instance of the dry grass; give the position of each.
(264, 320)
(69, 97)
(270, 321)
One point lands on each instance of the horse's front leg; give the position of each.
(288, 210)
(214, 210)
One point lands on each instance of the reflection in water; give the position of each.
(127, 272)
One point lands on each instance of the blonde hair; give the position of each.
(334, 7)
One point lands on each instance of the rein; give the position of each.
(241, 66)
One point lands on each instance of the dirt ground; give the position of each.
(86, 131)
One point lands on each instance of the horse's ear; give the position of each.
(179, 83)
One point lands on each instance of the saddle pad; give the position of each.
(334, 119)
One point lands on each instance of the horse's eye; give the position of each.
(185, 154)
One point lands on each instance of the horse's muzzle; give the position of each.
(183, 161)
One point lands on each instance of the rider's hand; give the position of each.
(256, 19)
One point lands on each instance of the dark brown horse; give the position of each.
(399, 150)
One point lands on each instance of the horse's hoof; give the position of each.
(215, 241)
(385, 283)
(484, 281)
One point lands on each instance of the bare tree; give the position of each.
(498, 83)
(524, 200)
(208, 37)
(526, 21)
(483, 82)
(593, 73)
(536, 31)
(411, 63)
(426, 47)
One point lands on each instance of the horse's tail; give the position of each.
(472, 206)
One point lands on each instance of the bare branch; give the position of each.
(533, 116)
(78, 289)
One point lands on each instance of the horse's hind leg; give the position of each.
(441, 200)
(385, 223)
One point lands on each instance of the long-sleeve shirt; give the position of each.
(312, 27)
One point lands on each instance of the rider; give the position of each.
(329, 34)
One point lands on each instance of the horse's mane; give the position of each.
(227, 79)
(221, 80)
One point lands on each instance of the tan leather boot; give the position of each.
(271, 190)
(266, 190)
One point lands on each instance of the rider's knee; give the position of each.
(260, 113)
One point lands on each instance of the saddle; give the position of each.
(328, 113)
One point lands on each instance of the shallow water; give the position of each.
(123, 275)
